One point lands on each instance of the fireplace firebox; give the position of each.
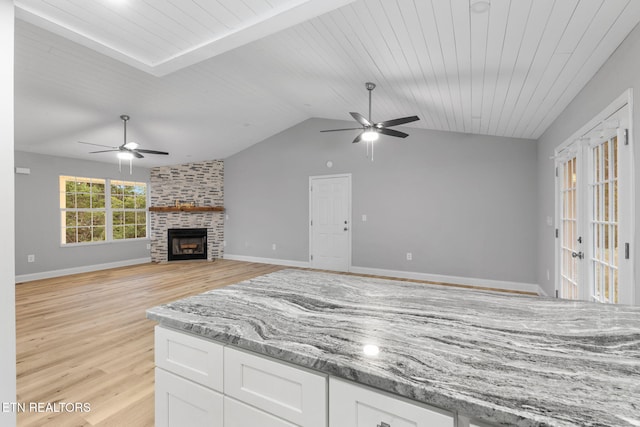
(186, 243)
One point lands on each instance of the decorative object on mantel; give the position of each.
(126, 151)
(186, 208)
(370, 130)
(183, 204)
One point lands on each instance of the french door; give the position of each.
(594, 205)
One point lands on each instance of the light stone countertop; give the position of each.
(502, 358)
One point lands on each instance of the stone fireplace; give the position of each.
(200, 184)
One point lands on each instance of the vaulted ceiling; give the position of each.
(204, 79)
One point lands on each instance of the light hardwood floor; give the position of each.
(85, 338)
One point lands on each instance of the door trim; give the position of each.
(349, 215)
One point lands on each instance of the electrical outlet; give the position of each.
(31, 258)
(364, 218)
(273, 247)
(148, 245)
(409, 256)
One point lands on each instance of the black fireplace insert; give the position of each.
(187, 243)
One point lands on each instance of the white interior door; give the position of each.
(330, 222)
(595, 214)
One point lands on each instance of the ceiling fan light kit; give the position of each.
(126, 151)
(370, 136)
(371, 131)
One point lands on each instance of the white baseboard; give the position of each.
(75, 270)
(275, 261)
(470, 281)
(454, 280)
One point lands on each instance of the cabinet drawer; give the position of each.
(353, 405)
(238, 414)
(194, 358)
(180, 402)
(290, 393)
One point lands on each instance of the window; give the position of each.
(128, 210)
(98, 210)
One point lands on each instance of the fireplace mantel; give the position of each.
(186, 209)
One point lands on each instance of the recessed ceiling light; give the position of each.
(479, 6)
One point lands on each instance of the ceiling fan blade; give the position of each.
(392, 132)
(396, 122)
(358, 138)
(361, 119)
(136, 154)
(97, 145)
(103, 151)
(337, 130)
(140, 150)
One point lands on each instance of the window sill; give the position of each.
(103, 242)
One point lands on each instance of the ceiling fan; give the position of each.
(370, 130)
(127, 150)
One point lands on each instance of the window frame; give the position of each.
(108, 211)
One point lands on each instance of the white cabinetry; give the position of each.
(202, 383)
(180, 402)
(238, 414)
(188, 380)
(291, 393)
(358, 406)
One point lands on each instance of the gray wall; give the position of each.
(620, 72)
(464, 205)
(37, 209)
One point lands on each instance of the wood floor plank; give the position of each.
(85, 338)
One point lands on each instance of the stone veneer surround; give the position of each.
(202, 183)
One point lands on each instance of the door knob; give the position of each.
(383, 424)
(579, 255)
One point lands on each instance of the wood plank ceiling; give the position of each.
(221, 75)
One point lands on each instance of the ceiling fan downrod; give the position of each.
(125, 119)
(369, 142)
(370, 87)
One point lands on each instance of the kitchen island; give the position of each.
(486, 356)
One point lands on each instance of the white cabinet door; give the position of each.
(180, 403)
(238, 414)
(293, 394)
(357, 406)
(197, 359)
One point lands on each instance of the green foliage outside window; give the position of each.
(85, 211)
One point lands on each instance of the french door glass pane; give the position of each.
(604, 224)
